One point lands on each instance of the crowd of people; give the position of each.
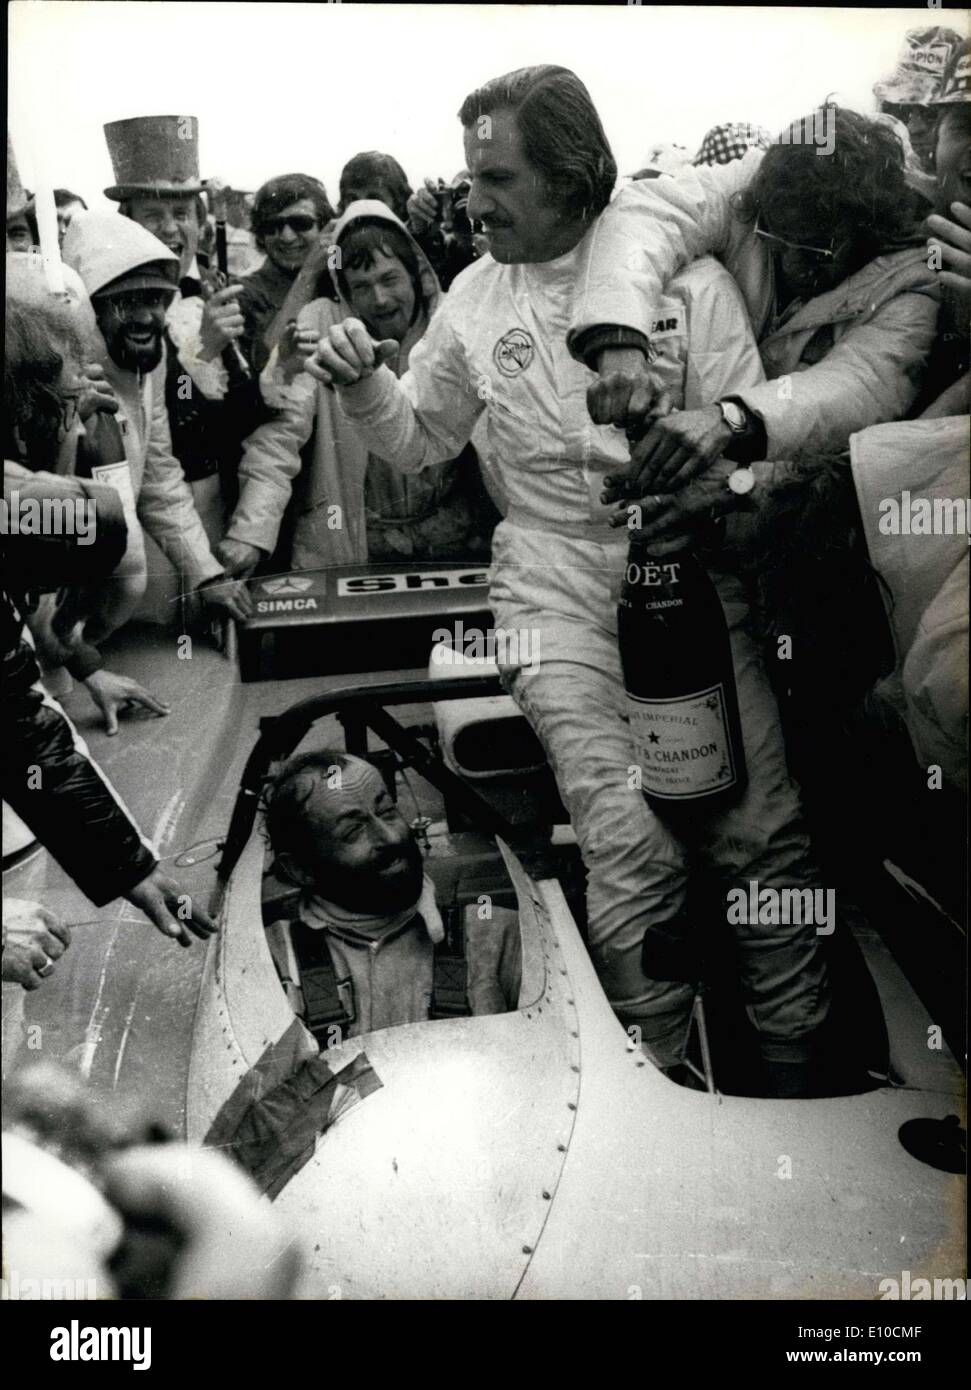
(453, 372)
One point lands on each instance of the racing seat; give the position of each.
(306, 972)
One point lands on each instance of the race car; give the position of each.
(531, 1154)
(537, 1153)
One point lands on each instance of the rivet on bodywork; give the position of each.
(574, 1068)
(527, 1249)
(561, 1148)
(570, 1105)
(547, 1197)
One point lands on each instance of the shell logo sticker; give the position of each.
(288, 585)
(514, 352)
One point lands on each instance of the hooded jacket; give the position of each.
(344, 491)
(102, 248)
(874, 330)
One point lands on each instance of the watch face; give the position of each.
(741, 481)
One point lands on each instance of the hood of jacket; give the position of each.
(102, 246)
(431, 290)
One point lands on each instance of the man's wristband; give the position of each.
(588, 345)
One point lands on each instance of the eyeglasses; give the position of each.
(912, 114)
(824, 253)
(300, 223)
(130, 303)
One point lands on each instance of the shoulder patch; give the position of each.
(668, 324)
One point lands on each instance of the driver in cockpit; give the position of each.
(368, 924)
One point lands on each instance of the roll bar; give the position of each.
(360, 709)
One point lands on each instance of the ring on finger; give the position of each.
(46, 969)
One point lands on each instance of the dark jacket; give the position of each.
(207, 435)
(46, 773)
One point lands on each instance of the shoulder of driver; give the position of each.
(471, 281)
(691, 184)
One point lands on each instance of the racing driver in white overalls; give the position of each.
(542, 172)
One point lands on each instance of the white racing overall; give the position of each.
(498, 345)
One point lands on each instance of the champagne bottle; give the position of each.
(682, 702)
(102, 443)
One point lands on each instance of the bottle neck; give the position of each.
(641, 550)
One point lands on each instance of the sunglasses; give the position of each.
(299, 223)
(922, 115)
(824, 253)
(130, 303)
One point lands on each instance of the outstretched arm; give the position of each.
(423, 419)
(651, 229)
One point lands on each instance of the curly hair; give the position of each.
(561, 133)
(856, 191)
(283, 191)
(43, 336)
(370, 167)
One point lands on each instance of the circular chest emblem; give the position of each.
(513, 352)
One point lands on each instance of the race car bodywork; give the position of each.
(538, 1154)
(532, 1154)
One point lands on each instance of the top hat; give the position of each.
(917, 78)
(17, 198)
(154, 156)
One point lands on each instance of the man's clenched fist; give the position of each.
(347, 354)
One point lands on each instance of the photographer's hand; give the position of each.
(423, 208)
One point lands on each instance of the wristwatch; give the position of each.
(742, 480)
